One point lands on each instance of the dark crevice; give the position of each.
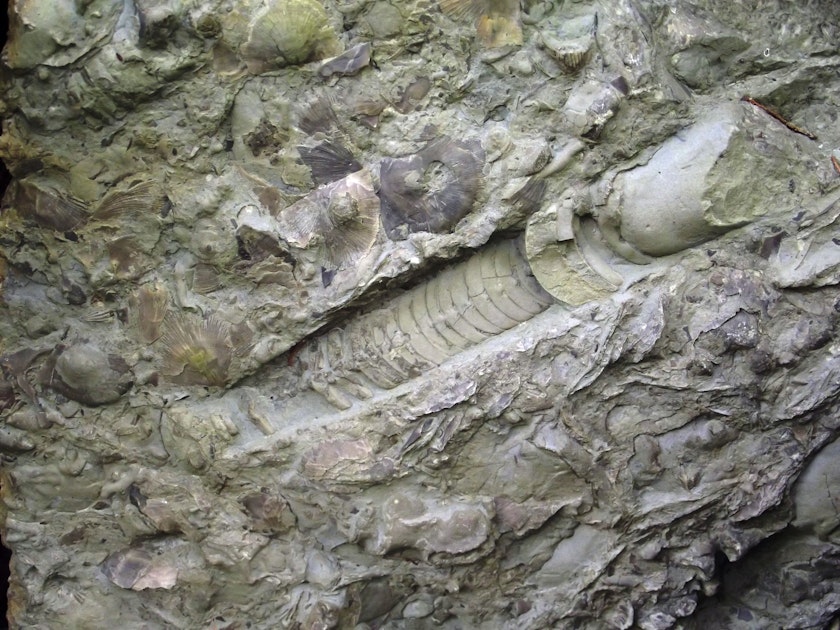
(5, 180)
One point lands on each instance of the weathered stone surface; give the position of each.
(461, 314)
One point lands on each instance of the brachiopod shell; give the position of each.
(431, 190)
(341, 218)
(197, 351)
(289, 32)
(149, 308)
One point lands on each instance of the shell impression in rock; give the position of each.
(431, 190)
(149, 309)
(568, 258)
(340, 219)
(328, 161)
(289, 32)
(197, 351)
(460, 307)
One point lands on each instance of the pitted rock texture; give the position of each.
(458, 314)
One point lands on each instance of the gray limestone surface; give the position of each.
(376, 314)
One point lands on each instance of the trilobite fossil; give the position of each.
(431, 190)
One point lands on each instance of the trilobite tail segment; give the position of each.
(461, 307)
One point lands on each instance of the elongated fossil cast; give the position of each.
(464, 305)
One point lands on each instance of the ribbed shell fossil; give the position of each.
(289, 32)
(341, 219)
(197, 351)
(46, 207)
(328, 161)
(497, 20)
(431, 190)
(462, 306)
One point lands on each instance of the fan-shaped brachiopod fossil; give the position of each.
(47, 207)
(431, 190)
(496, 21)
(340, 220)
(148, 308)
(197, 351)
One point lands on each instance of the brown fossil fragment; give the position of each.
(431, 190)
(328, 161)
(48, 208)
(149, 307)
(496, 21)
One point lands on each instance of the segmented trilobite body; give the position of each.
(462, 306)
(431, 190)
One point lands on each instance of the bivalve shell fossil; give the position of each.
(431, 190)
(149, 306)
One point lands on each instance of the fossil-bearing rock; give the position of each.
(448, 313)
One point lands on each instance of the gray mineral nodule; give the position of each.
(454, 313)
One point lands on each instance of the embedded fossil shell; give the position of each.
(48, 208)
(342, 219)
(464, 305)
(572, 43)
(497, 20)
(85, 373)
(566, 258)
(197, 351)
(431, 190)
(138, 198)
(329, 162)
(289, 32)
(137, 569)
(317, 115)
(149, 308)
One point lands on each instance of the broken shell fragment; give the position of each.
(348, 63)
(329, 162)
(149, 307)
(138, 570)
(431, 190)
(140, 197)
(497, 21)
(197, 351)
(317, 115)
(571, 43)
(567, 258)
(340, 219)
(47, 207)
